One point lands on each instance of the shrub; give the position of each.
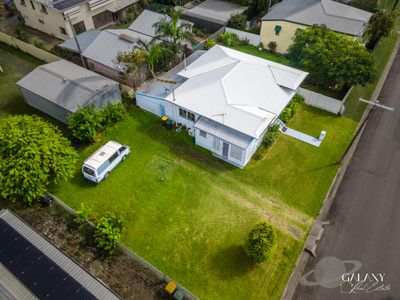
(244, 42)
(237, 21)
(261, 242)
(228, 39)
(21, 34)
(83, 214)
(107, 234)
(272, 47)
(62, 52)
(84, 124)
(271, 135)
(291, 109)
(209, 44)
(112, 114)
(33, 155)
(38, 43)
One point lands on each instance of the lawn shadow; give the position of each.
(232, 262)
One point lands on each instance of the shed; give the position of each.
(61, 88)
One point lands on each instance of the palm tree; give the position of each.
(131, 63)
(173, 32)
(154, 54)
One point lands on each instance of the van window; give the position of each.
(102, 168)
(123, 148)
(88, 171)
(113, 157)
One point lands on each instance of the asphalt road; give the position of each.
(365, 215)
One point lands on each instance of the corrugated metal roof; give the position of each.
(84, 40)
(87, 281)
(336, 16)
(65, 84)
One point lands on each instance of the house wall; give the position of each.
(54, 19)
(285, 37)
(112, 95)
(45, 106)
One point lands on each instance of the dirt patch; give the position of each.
(124, 275)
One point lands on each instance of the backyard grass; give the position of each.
(252, 50)
(15, 65)
(192, 225)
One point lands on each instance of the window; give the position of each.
(182, 113)
(186, 114)
(41, 21)
(216, 143)
(203, 134)
(236, 152)
(113, 157)
(33, 6)
(278, 29)
(43, 8)
(22, 2)
(63, 31)
(88, 171)
(190, 116)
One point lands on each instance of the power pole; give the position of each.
(76, 41)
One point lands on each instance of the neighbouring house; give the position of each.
(60, 88)
(210, 14)
(286, 17)
(227, 99)
(33, 268)
(101, 48)
(51, 16)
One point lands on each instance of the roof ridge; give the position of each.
(339, 16)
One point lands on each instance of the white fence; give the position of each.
(323, 102)
(28, 48)
(254, 39)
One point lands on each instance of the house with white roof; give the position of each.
(227, 99)
(280, 24)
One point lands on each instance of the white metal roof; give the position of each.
(102, 154)
(238, 90)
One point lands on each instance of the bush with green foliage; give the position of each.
(332, 59)
(271, 135)
(292, 108)
(62, 52)
(33, 155)
(228, 39)
(112, 113)
(83, 214)
(261, 242)
(84, 124)
(272, 47)
(21, 34)
(38, 43)
(368, 5)
(237, 21)
(108, 233)
(380, 25)
(209, 44)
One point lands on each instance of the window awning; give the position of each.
(278, 28)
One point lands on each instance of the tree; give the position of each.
(84, 124)
(380, 25)
(237, 21)
(130, 65)
(157, 56)
(108, 233)
(33, 155)
(261, 242)
(174, 33)
(332, 59)
(368, 5)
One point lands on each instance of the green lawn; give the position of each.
(252, 50)
(192, 225)
(16, 65)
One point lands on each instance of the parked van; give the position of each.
(99, 165)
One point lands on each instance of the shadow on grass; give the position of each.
(232, 262)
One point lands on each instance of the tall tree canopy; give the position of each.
(33, 155)
(380, 25)
(331, 58)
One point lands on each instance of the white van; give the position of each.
(99, 165)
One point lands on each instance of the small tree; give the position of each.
(380, 25)
(272, 47)
(33, 155)
(331, 58)
(84, 124)
(261, 242)
(237, 21)
(112, 114)
(108, 233)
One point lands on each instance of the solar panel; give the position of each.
(44, 278)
